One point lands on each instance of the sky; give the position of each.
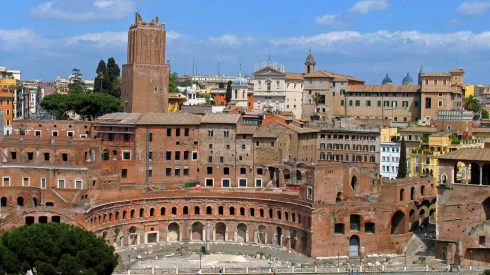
(362, 38)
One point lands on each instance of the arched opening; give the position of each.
(197, 210)
(423, 219)
(20, 201)
(292, 238)
(242, 232)
(460, 172)
(486, 174)
(124, 215)
(34, 202)
(152, 212)
(209, 210)
(220, 232)
(117, 215)
(299, 176)
(242, 211)
(232, 211)
(173, 232)
(133, 236)
(354, 184)
(422, 190)
(142, 212)
(340, 197)
(486, 208)
(132, 213)
(475, 173)
(261, 234)
(398, 223)
(278, 236)
(432, 214)
(402, 191)
(354, 245)
(105, 154)
(174, 210)
(162, 211)
(287, 174)
(221, 210)
(414, 223)
(197, 233)
(185, 210)
(111, 217)
(261, 213)
(3, 202)
(412, 193)
(444, 179)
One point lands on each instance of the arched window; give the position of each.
(220, 210)
(197, 210)
(162, 211)
(232, 210)
(422, 190)
(412, 193)
(402, 191)
(268, 86)
(174, 210)
(261, 211)
(242, 211)
(209, 210)
(20, 201)
(185, 210)
(132, 213)
(142, 212)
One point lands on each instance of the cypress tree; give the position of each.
(402, 164)
(228, 91)
(99, 79)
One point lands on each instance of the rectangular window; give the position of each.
(126, 155)
(194, 155)
(177, 172)
(339, 228)
(168, 155)
(226, 133)
(168, 172)
(186, 171)
(30, 155)
(405, 104)
(124, 173)
(61, 183)
(150, 155)
(70, 133)
(209, 182)
(379, 103)
(210, 133)
(355, 222)
(177, 155)
(258, 182)
(221, 159)
(209, 170)
(358, 103)
(368, 103)
(440, 103)
(428, 102)
(394, 104)
(243, 171)
(127, 137)
(64, 157)
(169, 132)
(342, 102)
(242, 182)
(186, 155)
(25, 181)
(210, 159)
(13, 155)
(177, 132)
(54, 133)
(225, 183)
(186, 132)
(309, 193)
(350, 103)
(78, 184)
(37, 133)
(43, 183)
(369, 227)
(6, 181)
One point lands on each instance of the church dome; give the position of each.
(310, 59)
(240, 81)
(407, 80)
(386, 80)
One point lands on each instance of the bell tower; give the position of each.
(310, 63)
(144, 85)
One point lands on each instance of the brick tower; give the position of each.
(144, 85)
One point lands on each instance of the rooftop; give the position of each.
(470, 154)
(384, 88)
(221, 118)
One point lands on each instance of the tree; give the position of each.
(99, 85)
(228, 91)
(88, 105)
(55, 248)
(112, 78)
(317, 98)
(76, 83)
(472, 104)
(402, 164)
(172, 83)
(484, 114)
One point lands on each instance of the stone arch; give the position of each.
(262, 234)
(402, 194)
(299, 176)
(20, 201)
(174, 210)
(220, 232)
(124, 214)
(173, 232)
(412, 193)
(475, 173)
(242, 232)
(132, 213)
(340, 197)
(197, 232)
(354, 184)
(444, 179)
(111, 217)
(398, 223)
(133, 236)
(142, 212)
(486, 208)
(422, 217)
(287, 174)
(354, 246)
(278, 236)
(34, 202)
(432, 213)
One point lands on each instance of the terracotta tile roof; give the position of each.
(419, 129)
(387, 88)
(336, 77)
(471, 154)
(435, 74)
(320, 74)
(246, 129)
(119, 118)
(264, 133)
(221, 118)
(294, 76)
(169, 119)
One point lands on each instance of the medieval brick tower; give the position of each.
(144, 85)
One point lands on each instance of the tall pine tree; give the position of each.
(99, 79)
(402, 165)
(107, 79)
(228, 91)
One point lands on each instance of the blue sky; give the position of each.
(364, 38)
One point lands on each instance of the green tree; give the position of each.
(57, 105)
(99, 85)
(228, 91)
(55, 248)
(76, 83)
(472, 104)
(484, 114)
(172, 83)
(112, 78)
(317, 98)
(402, 164)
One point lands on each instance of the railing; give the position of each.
(408, 269)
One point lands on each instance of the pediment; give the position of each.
(268, 71)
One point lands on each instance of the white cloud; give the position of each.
(366, 6)
(19, 40)
(79, 10)
(327, 19)
(408, 41)
(173, 35)
(474, 7)
(229, 40)
(100, 39)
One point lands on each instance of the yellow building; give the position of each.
(8, 88)
(175, 102)
(469, 90)
(423, 160)
(389, 134)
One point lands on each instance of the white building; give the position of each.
(192, 95)
(389, 158)
(276, 90)
(239, 92)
